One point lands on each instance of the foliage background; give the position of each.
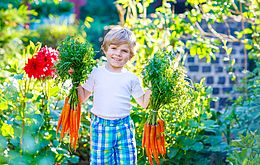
(195, 133)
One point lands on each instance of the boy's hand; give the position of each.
(143, 101)
(147, 97)
(83, 94)
(148, 92)
(80, 94)
(71, 71)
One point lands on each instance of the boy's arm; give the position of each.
(143, 101)
(83, 94)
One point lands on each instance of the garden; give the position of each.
(41, 39)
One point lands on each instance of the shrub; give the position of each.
(52, 34)
(44, 8)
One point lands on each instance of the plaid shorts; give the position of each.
(112, 142)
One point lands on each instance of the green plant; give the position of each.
(77, 55)
(26, 133)
(52, 34)
(5, 3)
(160, 76)
(52, 7)
(245, 150)
(13, 22)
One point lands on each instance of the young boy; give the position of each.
(112, 130)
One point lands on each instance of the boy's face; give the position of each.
(118, 55)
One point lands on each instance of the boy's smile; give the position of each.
(117, 57)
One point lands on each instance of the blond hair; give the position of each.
(118, 36)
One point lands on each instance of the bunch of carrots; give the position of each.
(70, 122)
(78, 56)
(154, 141)
(160, 77)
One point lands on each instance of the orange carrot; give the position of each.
(61, 119)
(64, 119)
(155, 141)
(161, 124)
(75, 127)
(147, 135)
(163, 144)
(152, 134)
(152, 144)
(74, 145)
(78, 115)
(66, 114)
(143, 138)
(62, 114)
(158, 139)
(145, 132)
(149, 155)
(71, 121)
(59, 122)
(67, 124)
(75, 130)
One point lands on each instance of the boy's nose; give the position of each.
(117, 53)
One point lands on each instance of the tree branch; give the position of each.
(215, 34)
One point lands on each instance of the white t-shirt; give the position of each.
(112, 92)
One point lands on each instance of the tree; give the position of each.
(164, 29)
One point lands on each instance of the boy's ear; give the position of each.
(131, 56)
(102, 50)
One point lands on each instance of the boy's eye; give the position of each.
(125, 51)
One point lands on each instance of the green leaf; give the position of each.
(205, 8)
(233, 61)
(61, 151)
(56, 143)
(29, 145)
(54, 91)
(213, 140)
(248, 31)
(15, 141)
(140, 7)
(74, 159)
(199, 51)
(3, 105)
(31, 45)
(248, 46)
(3, 142)
(209, 123)
(193, 123)
(208, 59)
(29, 95)
(46, 160)
(193, 51)
(7, 130)
(89, 19)
(172, 152)
(44, 143)
(198, 146)
(12, 70)
(18, 76)
(239, 34)
(229, 50)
